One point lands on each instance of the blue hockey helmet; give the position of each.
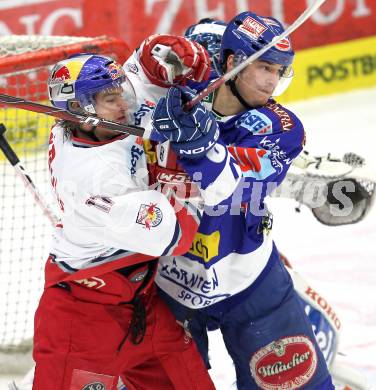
(208, 33)
(247, 33)
(81, 77)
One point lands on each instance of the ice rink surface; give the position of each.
(340, 262)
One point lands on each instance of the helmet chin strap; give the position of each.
(235, 92)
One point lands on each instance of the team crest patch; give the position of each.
(149, 215)
(288, 363)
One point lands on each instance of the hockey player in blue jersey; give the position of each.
(350, 169)
(232, 277)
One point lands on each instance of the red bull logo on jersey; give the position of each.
(288, 363)
(149, 215)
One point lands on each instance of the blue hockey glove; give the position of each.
(192, 133)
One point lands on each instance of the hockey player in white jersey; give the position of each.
(232, 277)
(99, 316)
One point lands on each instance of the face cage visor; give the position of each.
(285, 77)
(123, 86)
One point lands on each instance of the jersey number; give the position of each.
(102, 203)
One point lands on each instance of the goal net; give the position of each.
(25, 62)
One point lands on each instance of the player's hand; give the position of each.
(168, 60)
(193, 133)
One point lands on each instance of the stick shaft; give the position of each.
(59, 113)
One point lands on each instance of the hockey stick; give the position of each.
(227, 76)
(68, 116)
(20, 170)
(139, 131)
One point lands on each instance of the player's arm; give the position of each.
(146, 222)
(162, 61)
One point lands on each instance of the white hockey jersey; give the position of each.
(110, 216)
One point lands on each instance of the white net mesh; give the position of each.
(19, 44)
(25, 231)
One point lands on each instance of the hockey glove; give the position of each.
(338, 191)
(193, 133)
(357, 188)
(168, 60)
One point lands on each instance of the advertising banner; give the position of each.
(333, 68)
(334, 47)
(133, 20)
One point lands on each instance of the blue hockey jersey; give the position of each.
(233, 244)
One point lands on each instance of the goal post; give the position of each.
(25, 63)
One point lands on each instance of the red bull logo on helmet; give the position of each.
(67, 72)
(61, 75)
